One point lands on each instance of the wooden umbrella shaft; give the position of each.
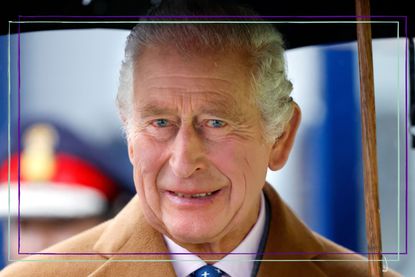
(368, 119)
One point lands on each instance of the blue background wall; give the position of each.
(334, 151)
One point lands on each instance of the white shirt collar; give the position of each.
(233, 264)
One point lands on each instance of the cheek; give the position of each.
(148, 155)
(147, 163)
(244, 164)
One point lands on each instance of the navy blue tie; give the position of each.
(207, 271)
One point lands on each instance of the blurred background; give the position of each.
(68, 81)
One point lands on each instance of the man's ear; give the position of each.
(283, 144)
(130, 151)
(130, 144)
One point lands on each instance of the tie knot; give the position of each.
(208, 271)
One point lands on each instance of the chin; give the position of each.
(191, 234)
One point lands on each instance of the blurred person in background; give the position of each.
(61, 193)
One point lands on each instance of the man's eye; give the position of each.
(215, 123)
(161, 123)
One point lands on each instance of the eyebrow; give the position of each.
(217, 109)
(152, 110)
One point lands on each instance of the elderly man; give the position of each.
(206, 110)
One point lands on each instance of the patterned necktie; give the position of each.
(207, 271)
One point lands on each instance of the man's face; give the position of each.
(196, 145)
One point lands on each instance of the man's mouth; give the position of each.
(196, 195)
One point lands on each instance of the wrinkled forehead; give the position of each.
(219, 80)
(168, 59)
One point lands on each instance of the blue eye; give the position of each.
(215, 123)
(161, 123)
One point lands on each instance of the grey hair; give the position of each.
(261, 42)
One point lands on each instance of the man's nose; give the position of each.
(187, 154)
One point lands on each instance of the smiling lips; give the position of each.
(196, 195)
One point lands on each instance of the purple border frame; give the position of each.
(387, 17)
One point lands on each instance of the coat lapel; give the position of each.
(130, 233)
(288, 239)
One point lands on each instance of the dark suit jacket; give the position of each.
(129, 232)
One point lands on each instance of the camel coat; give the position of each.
(105, 250)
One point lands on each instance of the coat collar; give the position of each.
(129, 232)
(288, 240)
